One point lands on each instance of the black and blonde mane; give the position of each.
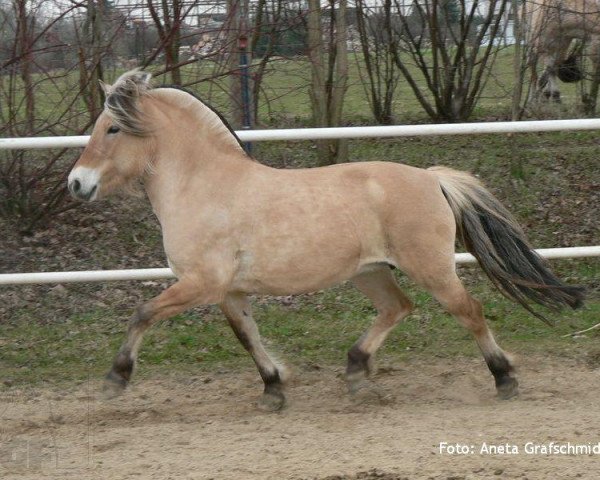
(122, 105)
(121, 102)
(210, 107)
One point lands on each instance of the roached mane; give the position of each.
(121, 102)
(122, 98)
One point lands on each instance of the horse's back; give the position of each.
(361, 176)
(370, 188)
(309, 228)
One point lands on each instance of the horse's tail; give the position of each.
(569, 70)
(493, 236)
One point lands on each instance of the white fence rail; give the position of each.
(162, 273)
(347, 132)
(301, 134)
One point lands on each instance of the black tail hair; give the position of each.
(570, 71)
(490, 233)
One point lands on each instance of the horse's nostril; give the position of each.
(76, 186)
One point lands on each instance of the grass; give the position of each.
(314, 330)
(55, 343)
(541, 177)
(285, 98)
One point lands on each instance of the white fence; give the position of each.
(346, 132)
(301, 134)
(161, 273)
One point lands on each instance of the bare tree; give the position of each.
(452, 44)
(25, 26)
(238, 54)
(91, 49)
(519, 59)
(168, 17)
(382, 75)
(40, 94)
(267, 25)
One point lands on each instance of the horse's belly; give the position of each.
(283, 271)
(313, 236)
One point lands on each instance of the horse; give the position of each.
(557, 31)
(232, 227)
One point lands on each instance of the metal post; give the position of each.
(245, 90)
(244, 69)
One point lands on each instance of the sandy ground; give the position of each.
(208, 427)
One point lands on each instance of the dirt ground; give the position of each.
(207, 427)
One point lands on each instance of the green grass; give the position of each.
(318, 329)
(523, 170)
(285, 90)
(314, 329)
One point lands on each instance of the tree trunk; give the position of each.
(24, 30)
(168, 27)
(239, 63)
(172, 22)
(97, 47)
(339, 85)
(519, 60)
(329, 82)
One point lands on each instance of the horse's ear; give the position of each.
(105, 87)
(146, 77)
(134, 82)
(141, 78)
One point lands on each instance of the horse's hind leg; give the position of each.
(392, 306)
(237, 309)
(453, 296)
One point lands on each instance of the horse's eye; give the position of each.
(112, 129)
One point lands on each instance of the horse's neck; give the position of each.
(188, 175)
(196, 117)
(196, 154)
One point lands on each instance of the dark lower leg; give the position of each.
(273, 385)
(553, 95)
(358, 360)
(495, 358)
(266, 367)
(124, 362)
(497, 361)
(172, 301)
(122, 369)
(469, 312)
(237, 310)
(503, 372)
(392, 306)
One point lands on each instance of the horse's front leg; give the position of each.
(548, 84)
(236, 308)
(175, 299)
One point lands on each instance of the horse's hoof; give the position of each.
(509, 388)
(114, 386)
(271, 402)
(365, 391)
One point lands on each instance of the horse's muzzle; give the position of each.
(83, 183)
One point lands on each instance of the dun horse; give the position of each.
(552, 28)
(233, 227)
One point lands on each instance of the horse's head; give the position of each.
(121, 145)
